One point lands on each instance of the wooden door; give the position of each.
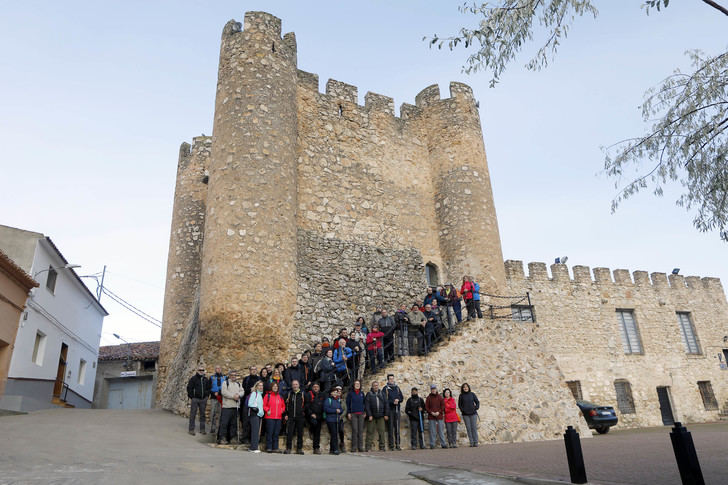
(61, 373)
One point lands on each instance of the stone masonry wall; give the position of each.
(363, 174)
(578, 322)
(341, 280)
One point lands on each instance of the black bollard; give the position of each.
(574, 456)
(686, 456)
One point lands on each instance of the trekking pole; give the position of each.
(422, 428)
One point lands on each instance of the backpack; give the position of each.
(317, 368)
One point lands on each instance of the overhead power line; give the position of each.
(128, 306)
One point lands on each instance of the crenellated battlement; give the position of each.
(264, 27)
(338, 91)
(582, 275)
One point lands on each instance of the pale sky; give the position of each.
(97, 96)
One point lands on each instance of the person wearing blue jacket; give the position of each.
(476, 298)
(334, 412)
(356, 412)
(255, 415)
(216, 382)
(342, 354)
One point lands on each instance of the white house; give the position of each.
(57, 345)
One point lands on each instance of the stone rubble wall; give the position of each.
(578, 322)
(341, 280)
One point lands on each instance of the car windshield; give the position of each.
(587, 403)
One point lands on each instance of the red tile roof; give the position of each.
(15, 271)
(138, 350)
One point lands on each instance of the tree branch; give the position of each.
(716, 6)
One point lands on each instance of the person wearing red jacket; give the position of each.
(273, 407)
(435, 407)
(451, 418)
(467, 292)
(374, 348)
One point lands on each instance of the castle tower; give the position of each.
(185, 249)
(248, 291)
(469, 237)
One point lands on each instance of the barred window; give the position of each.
(625, 403)
(688, 333)
(575, 388)
(706, 392)
(630, 335)
(523, 313)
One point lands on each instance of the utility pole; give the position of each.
(100, 289)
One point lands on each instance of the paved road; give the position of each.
(641, 456)
(150, 446)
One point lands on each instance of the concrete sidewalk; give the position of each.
(87, 446)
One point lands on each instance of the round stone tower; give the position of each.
(248, 282)
(468, 227)
(185, 249)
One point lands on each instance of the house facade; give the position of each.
(126, 376)
(15, 285)
(57, 342)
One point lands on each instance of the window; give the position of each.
(706, 392)
(688, 333)
(630, 336)
(431, 275)
(149, 365)
(523, 313)
(39, 348)
(81, 372)
(625, 403)
(51, 280)
(575, 388)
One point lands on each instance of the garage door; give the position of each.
(130, 393)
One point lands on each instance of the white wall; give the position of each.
(69, 315)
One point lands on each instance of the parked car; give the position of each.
(600, 418)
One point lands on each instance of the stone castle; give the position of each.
(305, 210)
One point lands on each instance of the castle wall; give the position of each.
(248, 290)
(374, 180)
(577, 318)
(185, 248)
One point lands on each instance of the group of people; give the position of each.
(264, 412)
(309, 391)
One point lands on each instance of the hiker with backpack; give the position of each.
(314, 408)
(394, 398)
(216, 380)
(375, 404)
(255, 413)
(232, 392)
(356, 414)
(333, 412)
(294, 417)
(476, 297)
(274, 408)
(413, 409)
